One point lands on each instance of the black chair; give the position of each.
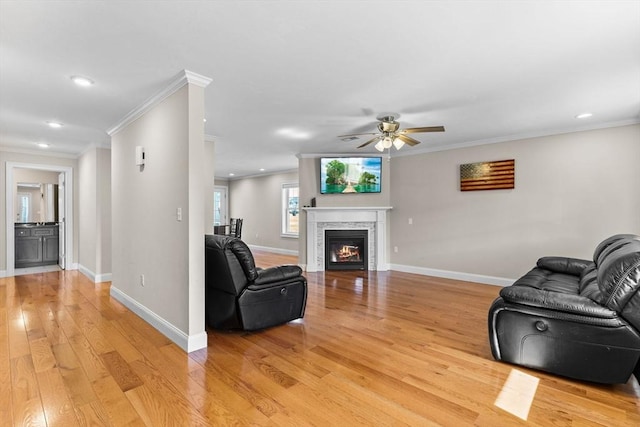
(238, 295)
(235, 227)
(238, 228)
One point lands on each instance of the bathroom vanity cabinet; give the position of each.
(36, 244)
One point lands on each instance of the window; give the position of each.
(219, 205)
(24, 201)
(290, 210)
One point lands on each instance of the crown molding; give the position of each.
(351, 154)
(184, 77)
(196, 79)
(518, 137)
(57, 154)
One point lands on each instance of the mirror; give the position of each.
(36, 202)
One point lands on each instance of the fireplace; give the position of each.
(370, 218)
(346, 249)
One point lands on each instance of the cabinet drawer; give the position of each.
(23, 232)
(42, 232)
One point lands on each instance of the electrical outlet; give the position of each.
(410, 221)
(395, 249)
(142, 280)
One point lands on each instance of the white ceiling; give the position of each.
(486, 70)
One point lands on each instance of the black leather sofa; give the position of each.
(572, 317)
(238, 295)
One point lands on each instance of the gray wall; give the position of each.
(258, 201)
(94, 182)
(148, 239)
(571, 191)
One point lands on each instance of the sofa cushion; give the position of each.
(573, 266)
(543, 279)
(611, 244)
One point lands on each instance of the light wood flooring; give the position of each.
(374, 349)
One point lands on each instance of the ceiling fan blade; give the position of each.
(355, 134)
(369, 142)
(424, 129)
(408, 140)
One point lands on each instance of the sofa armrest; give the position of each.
(573, 266)
(277, 274)
(568, 303)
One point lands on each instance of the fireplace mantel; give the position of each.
(373, 219)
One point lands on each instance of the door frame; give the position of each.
(225, 191)
(9, 191)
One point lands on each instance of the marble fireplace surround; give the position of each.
(372, 219)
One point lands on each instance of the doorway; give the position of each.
(65, 221)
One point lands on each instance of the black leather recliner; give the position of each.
(238, 295)
(573, 317)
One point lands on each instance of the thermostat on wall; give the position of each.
(139, 155)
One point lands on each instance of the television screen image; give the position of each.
(349, 175)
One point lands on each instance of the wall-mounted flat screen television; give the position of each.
(349, 175)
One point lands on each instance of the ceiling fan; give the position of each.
(390, 133)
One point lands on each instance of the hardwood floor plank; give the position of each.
(119, 342)
(89, 359)
(52, 330)
(120, 371)
(42, 355)
(93, 414)
(6, 401)
(18, 341)
(223, 403)
(114, 402)
(159, 399)
(78, 386)
(27, 406)
(58, 408)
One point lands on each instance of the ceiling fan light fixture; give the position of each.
(398, 143)
(391, 134)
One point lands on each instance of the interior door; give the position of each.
(220, 205)
(61, 222)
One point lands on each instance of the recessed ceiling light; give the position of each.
(231, 174)
(204, 120)
(42, 145)
(584, 116)
(261, 169)
(55, 125)
(82, 81)
(293, 133)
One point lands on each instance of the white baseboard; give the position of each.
(274, 250)
(95, 278)
(3, 273)
(468, 277)
(187, 342)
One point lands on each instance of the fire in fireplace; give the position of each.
(345, 249)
